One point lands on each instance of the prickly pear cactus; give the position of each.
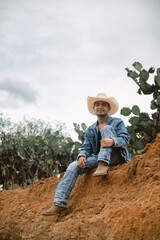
(143, 127)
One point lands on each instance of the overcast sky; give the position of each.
(55, 53)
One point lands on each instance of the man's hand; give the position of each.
(106, 142)
(81, 162)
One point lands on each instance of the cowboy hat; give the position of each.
(103, 97)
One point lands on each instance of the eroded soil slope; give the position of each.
(125, 205)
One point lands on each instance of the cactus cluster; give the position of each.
(143, 127)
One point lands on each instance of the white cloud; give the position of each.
(16, 92)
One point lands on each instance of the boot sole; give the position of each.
(99, 174)
(48, 214)
(64, 212)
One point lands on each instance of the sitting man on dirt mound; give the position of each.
(105, 145)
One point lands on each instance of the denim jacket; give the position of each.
(121, 140)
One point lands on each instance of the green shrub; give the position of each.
(143, 127)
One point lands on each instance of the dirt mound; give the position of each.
(125, 205)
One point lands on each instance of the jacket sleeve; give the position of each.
(86, 149)
(122, 139)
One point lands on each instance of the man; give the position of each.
(105, 145)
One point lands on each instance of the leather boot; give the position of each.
(102, 169)
(54, 210)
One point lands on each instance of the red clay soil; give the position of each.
(124, 205)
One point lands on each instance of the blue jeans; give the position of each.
(67, 183)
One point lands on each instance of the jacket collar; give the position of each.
(108, 119)
(96, 123)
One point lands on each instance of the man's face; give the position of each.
(101, 108)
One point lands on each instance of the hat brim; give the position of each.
(112, 102)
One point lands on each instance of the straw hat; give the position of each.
(103, 97)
